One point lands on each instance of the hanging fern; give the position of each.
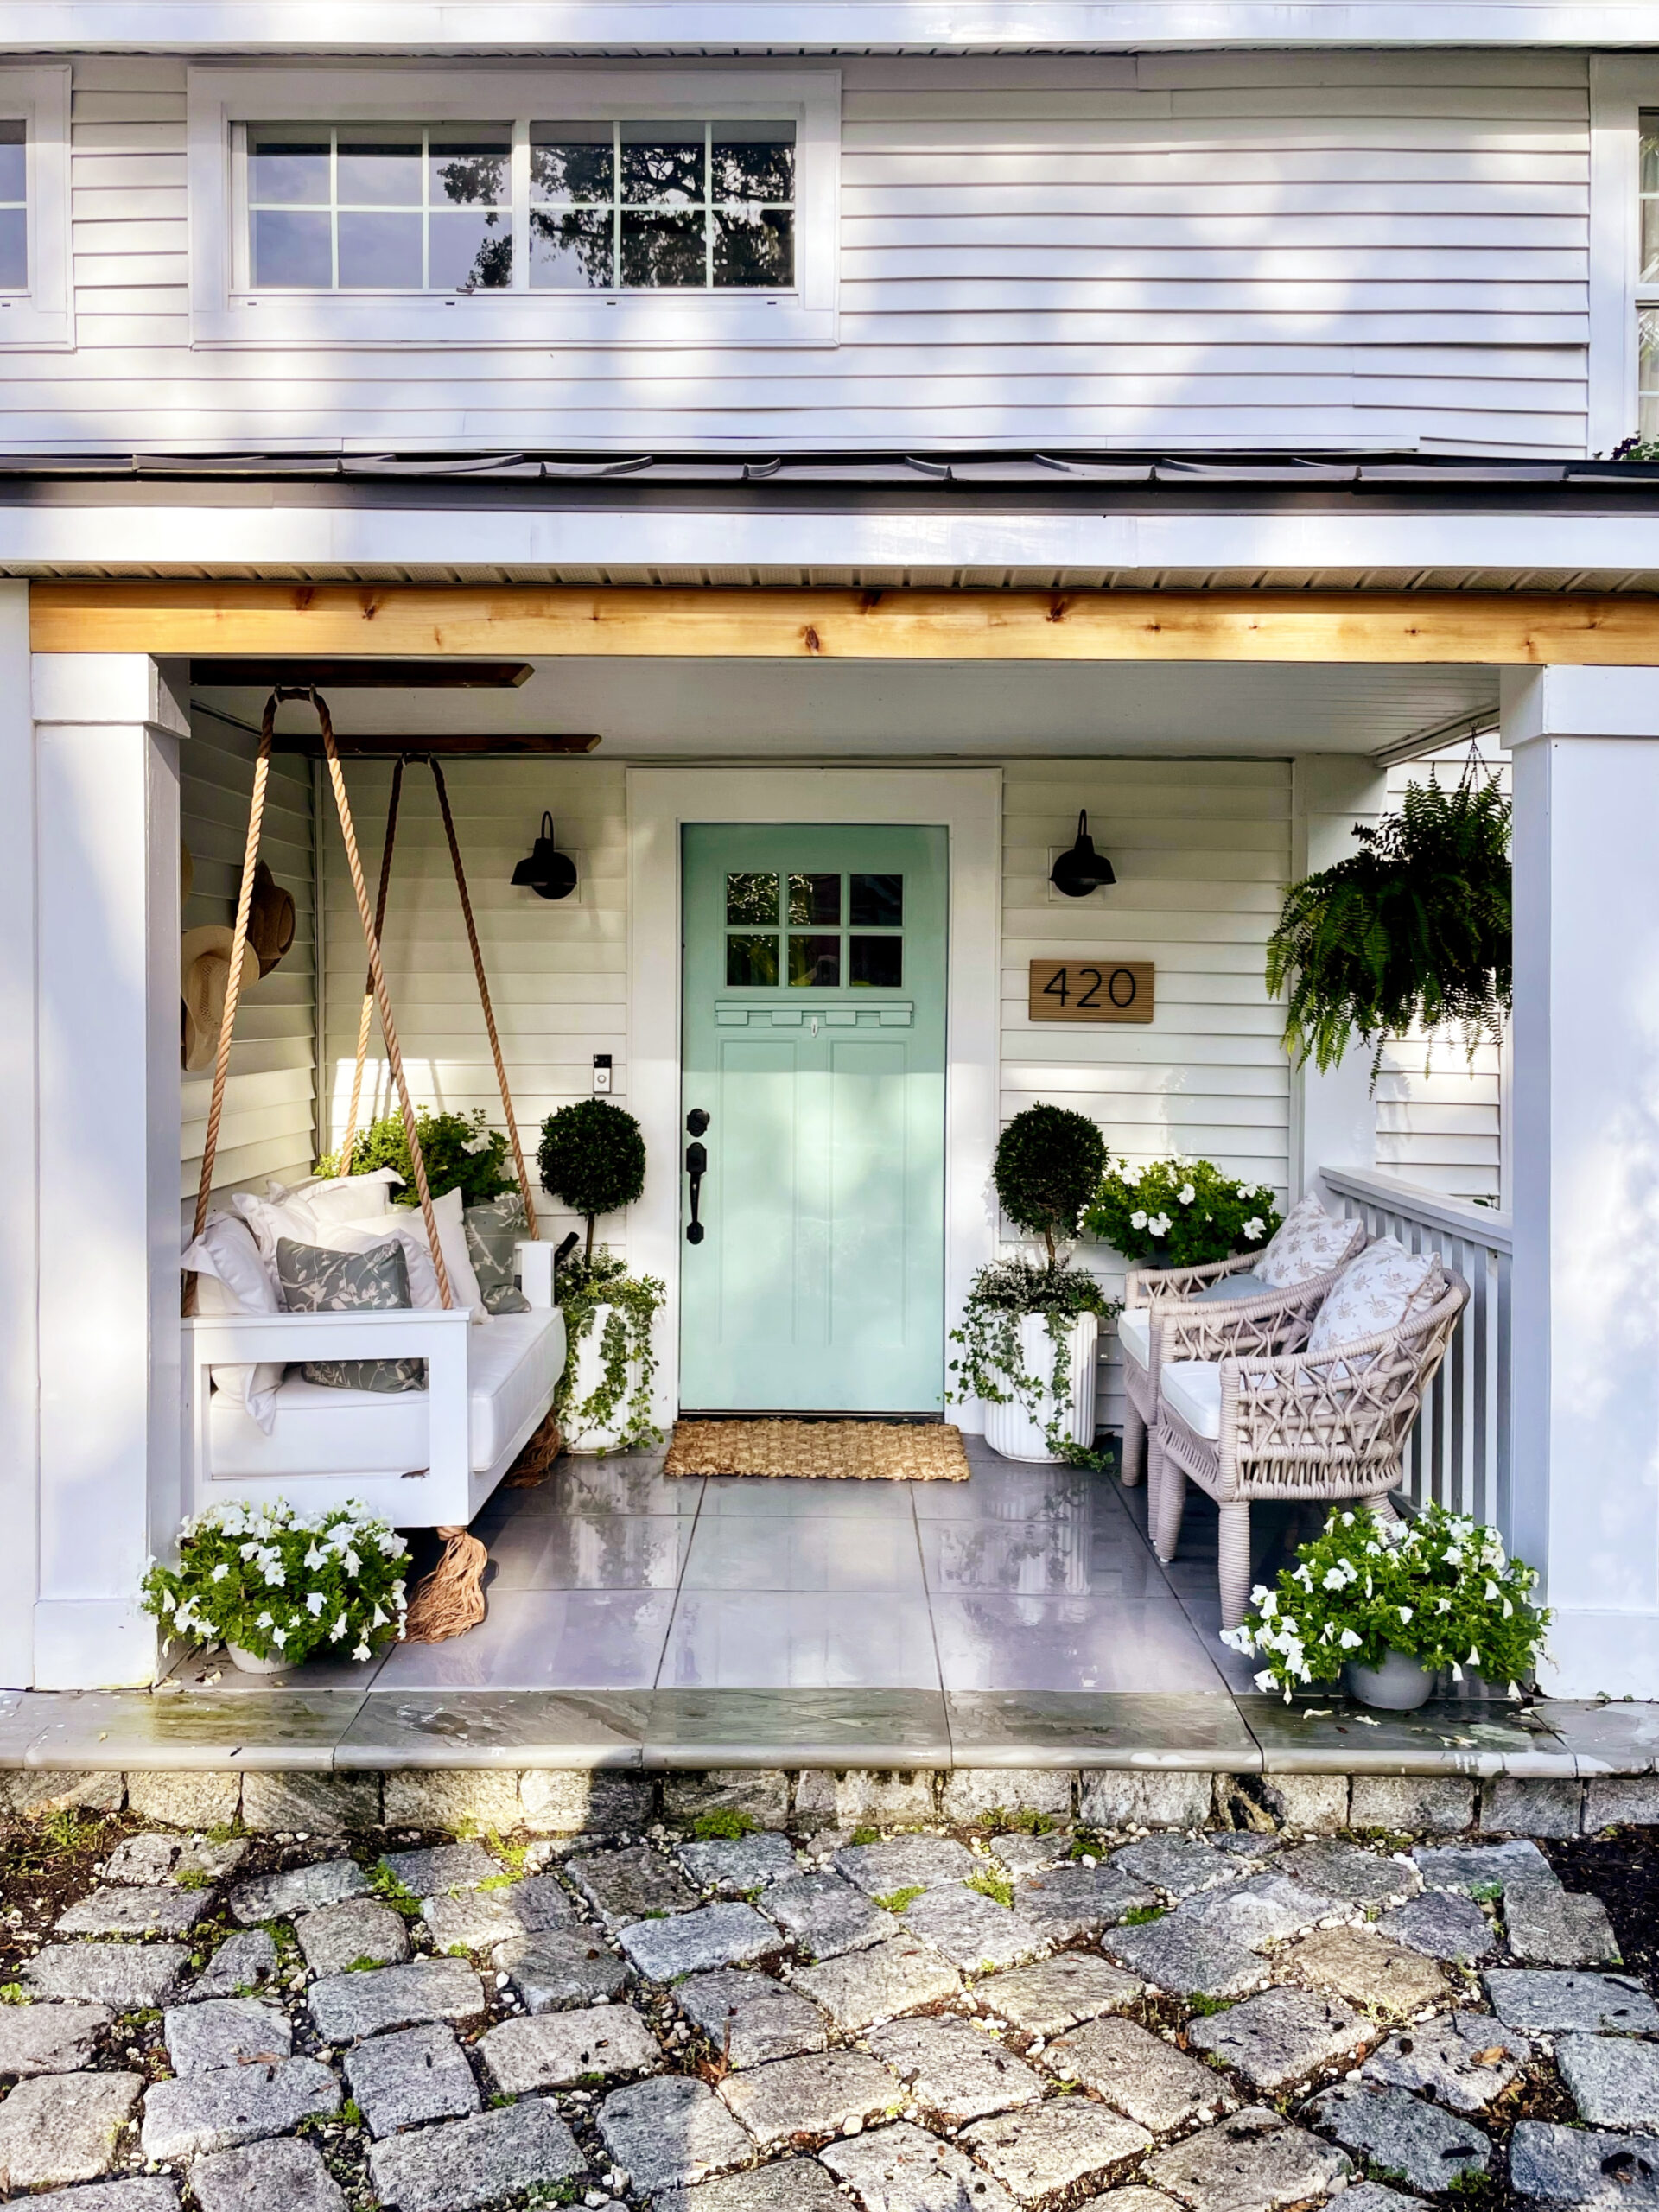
(1415, 928)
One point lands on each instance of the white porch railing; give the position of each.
(1459, 1452)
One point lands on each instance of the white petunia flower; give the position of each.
(1186, 1194)
(360, 1651)
(279, 1637)
(1137, 1221)
(1334, 1579)
(264, 1620)
(354, 1565)
(1254, 1227)
(1405, 1612)
(1264, 1680)
(1350, 1642)
(1159, 1224)
(220, 1572)
(313, 1558)
(314, 1604)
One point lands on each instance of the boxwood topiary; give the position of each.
(592, 1157)
(1048, 1165)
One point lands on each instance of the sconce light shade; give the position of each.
(1080, 871)
(550, 873)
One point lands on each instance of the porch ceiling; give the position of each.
(663, 709)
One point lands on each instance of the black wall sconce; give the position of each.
(1081, 870)
(549, 872)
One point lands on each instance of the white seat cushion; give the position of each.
(1192, 1388)
(1135, 1334)
(515, 1362)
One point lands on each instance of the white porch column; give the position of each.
(19, 1364)
(1332, 1116)
(107, 841)
(1585, 1485)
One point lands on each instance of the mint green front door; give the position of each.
(814, 1042)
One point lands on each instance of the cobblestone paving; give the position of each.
(1040, 2018)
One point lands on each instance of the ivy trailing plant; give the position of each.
(1180, 1213)
(631, 1304)
(281, 1583)
(1413, 928)
(992, 1363)
(1440, 1588)
(461, 1153)
(1049, 1161)
(593, 1159)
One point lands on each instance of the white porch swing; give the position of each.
(418, 1459)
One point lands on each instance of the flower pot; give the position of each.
(590, 1374)
(1399, 1684)
(248, 1662)
(1011, 1430)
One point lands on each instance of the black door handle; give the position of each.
(696, 1167)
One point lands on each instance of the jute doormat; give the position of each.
(844, 1450)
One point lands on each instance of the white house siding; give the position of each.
(268, 1128)
(1252, 249)
(557, 970)
(1201, 849)
(1439, 1111)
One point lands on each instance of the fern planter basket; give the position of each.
(1022, 1426)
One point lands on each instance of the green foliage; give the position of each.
(1440, 1588)
(867, 1835)
(1047, 1164)
(13, 1993)
(992, 1365)
(592, 1157)
(280, 1583)
(725, 1825)
(194, 1877)
(1180, 1213)
(1138, 1915)
(1203, 2007)
(349, 2114)
(632, 1304)
(390, 1890)
(991, 1885)
(460, 1151)
(1414, 929)
(1002, 1821)
(65, 1831)
(901, 1900)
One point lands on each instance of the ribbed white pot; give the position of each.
(249, 1663)
(590, 1373)
(1010, 1430)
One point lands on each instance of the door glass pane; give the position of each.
(877, 961)
(470, 166)
(815, 899)
(751, 961)
(14, 250)
(1649, 192)
(751, 898)
(876, 902)
(815, 962)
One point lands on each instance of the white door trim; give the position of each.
(968, 802)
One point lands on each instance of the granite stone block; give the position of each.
(1614, 2080)
(955, 2072)
(1139, 2073)
(737, 1865)
(418, 2075)
(342, 1936)
(750, 2019)
(49, 2038)
(826, 1916)
(561, 1801)
(974, 1931)
(1420, 1804)
(671, 2133)
(236, 2104)
(561, 2051)
(347, 2006)
(262, 2176)
(1067, 2144)
(464, 2163)
(1186, 1958)
(1462, 2061)
(305, 1889)
(632, 1883)
(1579, 2167)
(1256, 2161)
(1519, 1805)
(1394, 2129)
(1366, 1970)
(1121, 1798)
(1071, 1899)
(127, 1977)
(1047, 1999)
(693, 1942)
(1539, 2003)
(817, 2095)
(225, 2031)
(299, 1803)
(560, 1969)
(760, 1793)
(905, 1862)
(861, 1987)
(57, 2128)
(900, 2169)
(1282, 2036)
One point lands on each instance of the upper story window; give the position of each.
(1647, 295)
(35, 291)
(13, 204)
(513, 208)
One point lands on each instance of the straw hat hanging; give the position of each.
(205, 964)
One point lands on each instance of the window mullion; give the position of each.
(334, 205)
(426, 213)
(518, 203)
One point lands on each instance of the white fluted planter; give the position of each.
(1010, 1429)
(590, 1374)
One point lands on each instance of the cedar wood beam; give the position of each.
(421, 621)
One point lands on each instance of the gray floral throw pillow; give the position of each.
(492, 1232)
(314, 1281)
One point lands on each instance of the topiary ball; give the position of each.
(1048, 1165)
(593, 1157)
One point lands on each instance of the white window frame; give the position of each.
(1620, 88)
(40, 319)
(227, 312)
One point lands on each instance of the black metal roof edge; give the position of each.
(1052, 469)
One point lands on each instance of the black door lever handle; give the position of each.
(696, 1167)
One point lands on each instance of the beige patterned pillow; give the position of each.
(1385, 1286)
(1309, 1243)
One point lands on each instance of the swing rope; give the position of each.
(366, 1012)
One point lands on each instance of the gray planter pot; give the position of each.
(1399, 1684)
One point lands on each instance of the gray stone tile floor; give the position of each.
(704, 2061)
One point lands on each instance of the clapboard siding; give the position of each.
(1201, 849)
(557, 971)
(268, 1129)
(1439, 1108)
(1190, 250)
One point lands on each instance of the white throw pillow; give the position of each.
(1308, 1243)
(1385, 1286)
(298, 1221)
(340, 1198)
(231, 1279)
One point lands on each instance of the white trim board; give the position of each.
(1619, 88)
(968, 802)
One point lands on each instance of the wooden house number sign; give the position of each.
(1094, 988)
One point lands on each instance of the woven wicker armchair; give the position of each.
(1289, 1426)
(1277, 1322)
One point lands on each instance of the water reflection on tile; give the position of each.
(839, 1552)
(781, 1640)
(601, 1551)
(806, 1727)
(1008, 1492)
(1118, 1727)
(1080, 1557)
(1605, 1738)
(585, 1485)
(786, 1495)
(1330, 1735)
(545, 1639)
(191, 1731)
(1070, 1643)
(468, 1728)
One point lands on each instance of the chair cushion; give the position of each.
(1309, 1243)
(1192, 1388)
(1135, 1334)
(1225, 1288)
(514, 1363)
(1385, 1286)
